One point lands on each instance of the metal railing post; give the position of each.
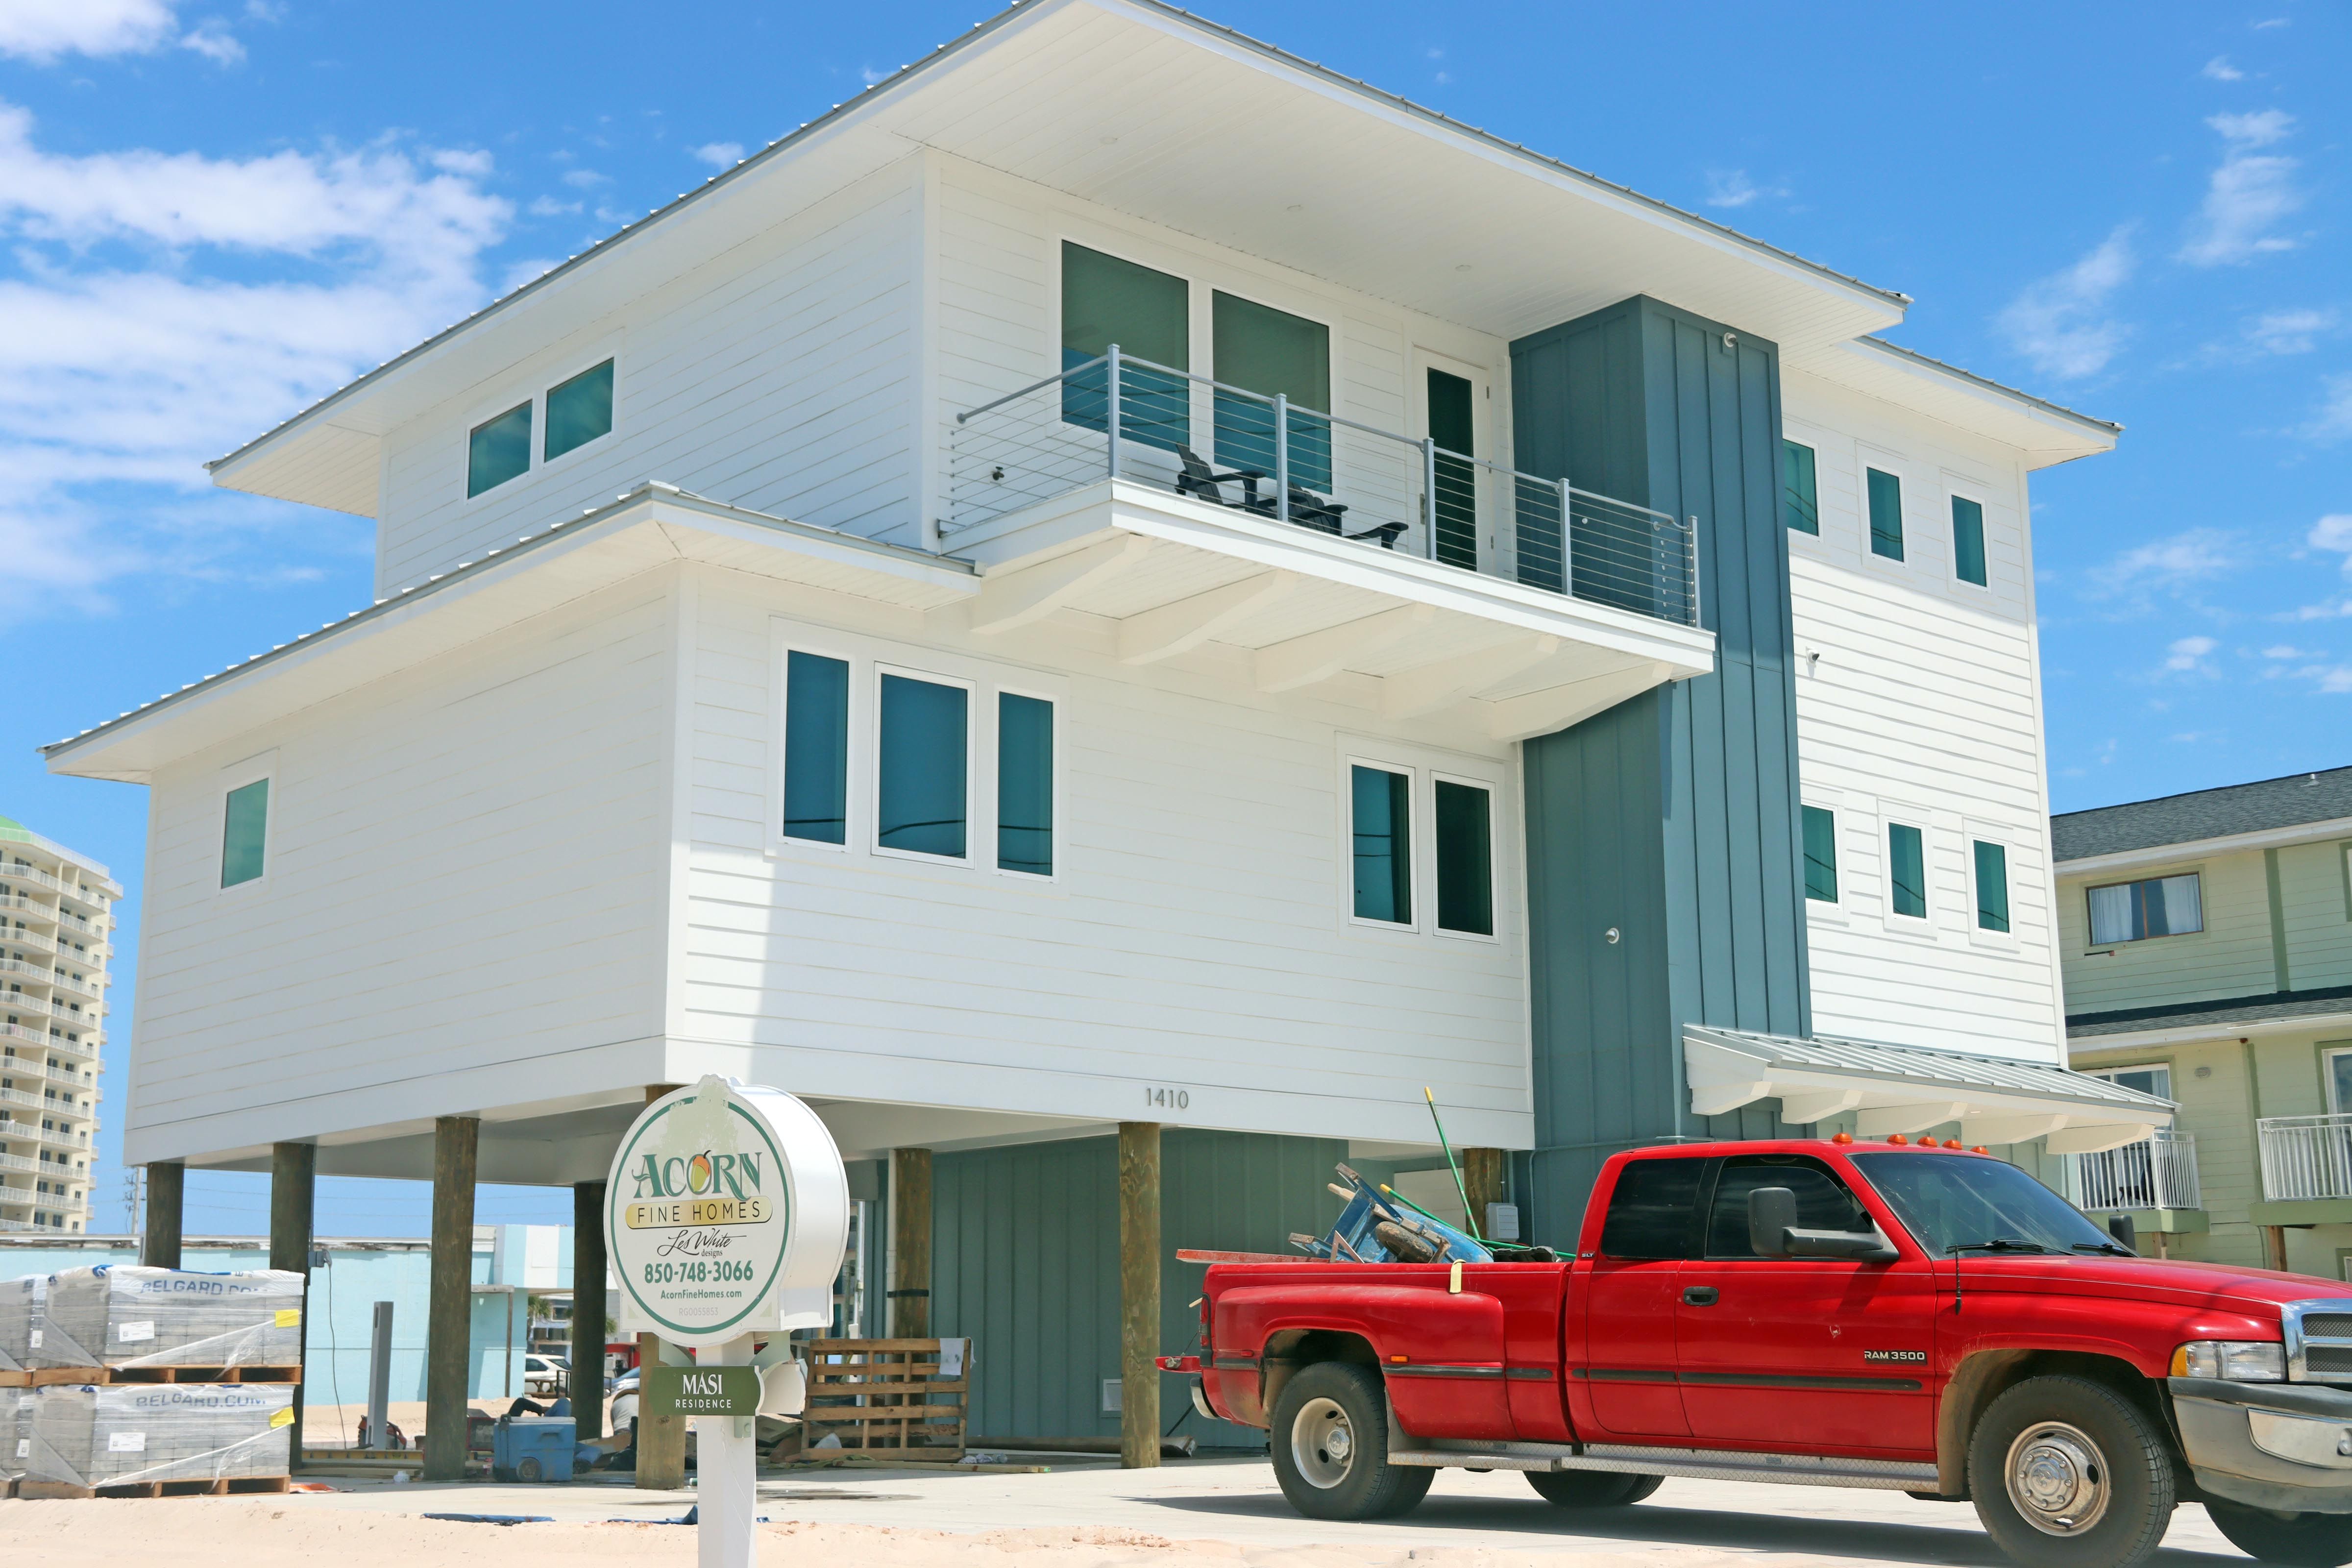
(1429, 497)
(1282, 456)
(1113, 425)
(1567, 541)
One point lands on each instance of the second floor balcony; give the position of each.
(2159, 1172)
(2305, 1158)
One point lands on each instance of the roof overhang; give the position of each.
(2199, 848)
(1141, 108)
(2157, 1034)
(1906, 1089)
(2044, 432)
(646, 527)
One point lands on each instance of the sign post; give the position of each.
(725, 1218)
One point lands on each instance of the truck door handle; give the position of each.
(1701, 1295)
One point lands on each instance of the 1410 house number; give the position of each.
(1169, 1099)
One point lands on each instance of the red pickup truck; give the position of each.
(1896, 1315)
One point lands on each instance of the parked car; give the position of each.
(621, 1404)
(1909, 1317)
(546, 1373)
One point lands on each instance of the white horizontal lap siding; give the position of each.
(775, 375)
(1922, 708)
(1194, 935)
(465, 869)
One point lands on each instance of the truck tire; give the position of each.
(2301, 1539)
(1330, 1444)
(2066, 1473)
(1592, 1488)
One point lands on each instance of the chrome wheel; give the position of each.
(1322, 1443)
(2057, 1479)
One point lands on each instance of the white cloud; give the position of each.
(2220, 69)
(2272, 22)
(164, 307)
(2333, 423)
(216, 44)
(2188, 654)
(42, 30)
(2288, 332)
(2061, 322)
(1733, 188)
(2288, 650)
(869, 74)
(719, 155)
(2334, 532)
(582, 179)
(2193, 556)
(2248, 194)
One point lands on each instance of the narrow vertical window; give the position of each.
(245, 833)
(1907, 870)
(1992, 887)
(1885, 514)
(1801, 504)
(1381, 821)
(497, 450)
(923, 759)
(1820, 855)
(816, 748)
(1968, 540)
(1465, 859)
(1025, 784)
(579, 410)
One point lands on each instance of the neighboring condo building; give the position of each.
(57, 922)
(2208, 944)
(1492, 632)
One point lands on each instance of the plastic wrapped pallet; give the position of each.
(78, 1434)
(11, 1464)
(20, 1312)
(125, 1314)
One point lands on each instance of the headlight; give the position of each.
(2240, 1361)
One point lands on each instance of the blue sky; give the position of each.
(214, 213)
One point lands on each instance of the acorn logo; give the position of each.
(697, 1173)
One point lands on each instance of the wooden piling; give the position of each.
(587, 1380)
(1484, 1180)
(167, 1186)
(448, 1332)
(293, 1188)
(910, 1243)
(1138, 1294)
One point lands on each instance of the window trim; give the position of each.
(1415, 891)
(538, 446)
(786, 648)
(1001, 689)
(972, 804)
(1836, 901)
(541, 383)
(2328, 1051)
(1494, 859)
(2109, 1073)
(253, 769)
(1814, 449)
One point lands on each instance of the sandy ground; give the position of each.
(1221, 1512)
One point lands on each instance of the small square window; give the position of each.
(245, 833)
(1801, 506)
(1968, 540)
(498, 450)
(1907, 870)
(1992, 887)
(1885, 513)
(1465, 859)
(1381, 823)
(579, 410)
(2134, 911)
(1820, 855)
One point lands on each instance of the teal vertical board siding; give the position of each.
(1025, 1261)
(1674, 817)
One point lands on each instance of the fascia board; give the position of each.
(2216, 1028)
(2018, 416)
(2199, 848)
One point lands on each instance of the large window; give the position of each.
(1823, 1201)
(1820, 855)
(497, 450)
(1992, 887)
(1968, 540)
(1465, 859)
(816, 748)
(2134, 911)
(1106, 301)
(2339, 1082)
(1381, 821)
(1801, 501)
(1651, 1210)
(1886, 498)
(245, 833)
(922, 766)
(1907, 871)
(1271, 353)
(579, 410)
(2154, 1078)
(1025, 784)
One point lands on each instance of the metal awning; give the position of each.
(1906, 1088)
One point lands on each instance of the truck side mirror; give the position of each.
(1771, 1214)
(2126, 1235)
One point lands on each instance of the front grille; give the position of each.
(2327, 1360)
(2328, 1326)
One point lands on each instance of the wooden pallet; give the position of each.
(234, 1486)
(884, 1396)
(46, 1376)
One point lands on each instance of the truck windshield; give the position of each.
(1953, 1201)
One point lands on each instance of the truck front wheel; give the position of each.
(1330, 1444)
(2299, 1540)
(2066, 1473)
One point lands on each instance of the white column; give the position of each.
(727, 1456)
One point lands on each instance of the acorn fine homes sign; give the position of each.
(725, 1213)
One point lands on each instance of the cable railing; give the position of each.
(1121, 418)
(2158, 1172)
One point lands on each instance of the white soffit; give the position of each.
(1907, 1089)
(649, 526)
(2044, 432)
(1147, 111)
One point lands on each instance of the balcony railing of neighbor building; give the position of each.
(2305, 1157)
(2158, 1172)
(1121, 418)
